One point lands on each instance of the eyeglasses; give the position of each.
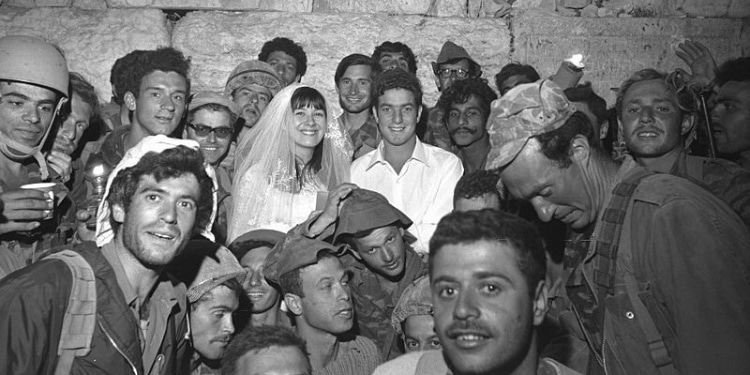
(203, 131)
(447, 73)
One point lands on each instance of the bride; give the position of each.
(296, 151)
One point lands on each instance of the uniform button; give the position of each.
(629, 315)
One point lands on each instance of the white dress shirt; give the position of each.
(423, 190)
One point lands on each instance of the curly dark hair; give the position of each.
(460, 92)
(255, 339)
(733, 70)
(395, 79)
(165, 59)
(496, 226)
(555, 145)
(686, 101)
(120, 74)
(170, 163)
(477, 184)
(352, 60)
(395, 47)
(515, 69)
(289, 47)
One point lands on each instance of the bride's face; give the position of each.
(309, 127)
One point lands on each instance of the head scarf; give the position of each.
(157, 143)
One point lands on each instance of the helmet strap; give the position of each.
(17, 151)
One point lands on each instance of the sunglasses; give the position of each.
(447, 73)
(223, 132)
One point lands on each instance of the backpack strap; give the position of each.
(657, 347)
(614, 215)
(606, 265)
(80, 316)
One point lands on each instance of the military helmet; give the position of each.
(31, 60)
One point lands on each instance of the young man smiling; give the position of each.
(416, 178)
(489, 294)
(158, 197)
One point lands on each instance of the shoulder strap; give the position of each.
(657, 347)
(607, 245)
(605, 268)
(80, 316)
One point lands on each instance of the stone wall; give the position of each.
(94, 33)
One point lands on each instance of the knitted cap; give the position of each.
(207, 97)
(253, 72)
(416, 300)
(294, 252)
(364, 210)
(204, 265)
(525, 111)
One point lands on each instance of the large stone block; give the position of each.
(715, 8)
(616, 47)
(92, 40)
(218, 41)
(285, 6)
(439, 8)
(54, 3)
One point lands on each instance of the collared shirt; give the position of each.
(364, 139)
(727, 180)
(163, 299)
(423, 189)
(690, 250)
(374, 305)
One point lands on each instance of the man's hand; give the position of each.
(84, 233)
(24, 209)
(333, 205)
(699, 59)
(61, 163)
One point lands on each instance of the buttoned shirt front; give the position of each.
(423, 190)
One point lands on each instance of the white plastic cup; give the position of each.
(49, 189)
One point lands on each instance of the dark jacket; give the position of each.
(32, 306)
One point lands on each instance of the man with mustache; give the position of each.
(489, 294)
(214, 278)
(657, 119)
(353, 83)
(251, 86)
(287, 58)
(316, 291)
(466, 104)
(453, 64)
(157, 198)
(656, 261)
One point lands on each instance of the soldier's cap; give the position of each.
(452, 51)
(294, 252)
(364, 210)
(204, 265)
(253, 72)
(525, 111)
(202, 98)
(415, 300)
(260, 235)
